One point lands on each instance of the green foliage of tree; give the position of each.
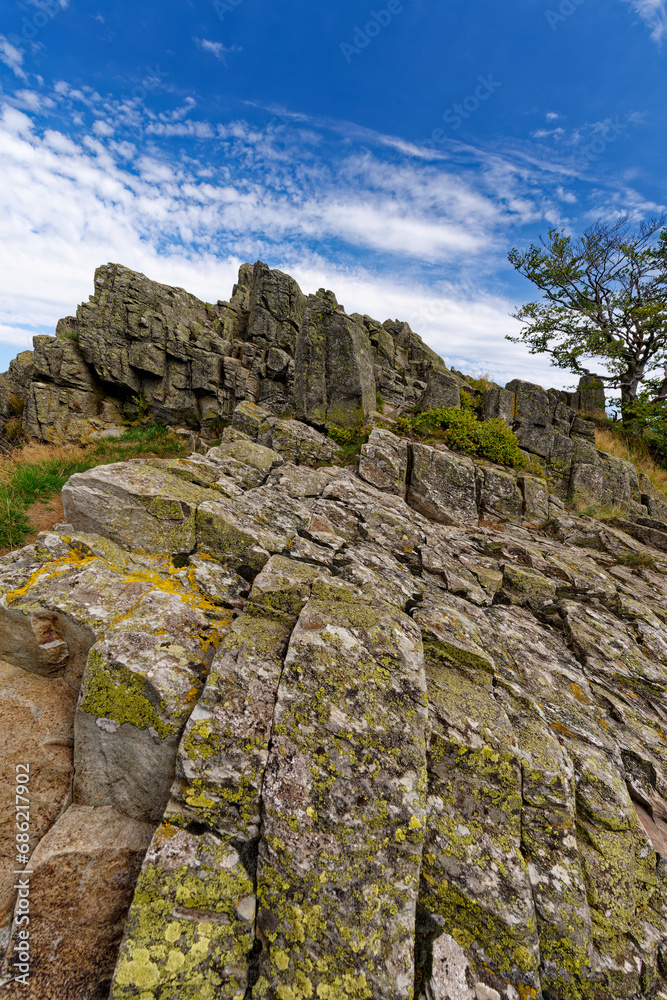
(605, 301)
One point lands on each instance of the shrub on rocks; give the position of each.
(461, 430)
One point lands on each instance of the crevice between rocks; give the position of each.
(409, 470)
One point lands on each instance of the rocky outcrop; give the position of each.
(298, 729)
(386, 732)
(138, 349)
(141, 350)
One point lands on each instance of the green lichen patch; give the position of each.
(119, 694)
(189, 931)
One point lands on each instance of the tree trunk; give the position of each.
(629, 392)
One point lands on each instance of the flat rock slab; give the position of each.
(136, 505)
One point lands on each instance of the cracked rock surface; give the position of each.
(378, 733)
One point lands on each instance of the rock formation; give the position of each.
(307, 730)
(139, 348)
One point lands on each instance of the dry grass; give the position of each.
(44, 514)
(601, 511)
(32, 477)
(35, 453)
(634, 451)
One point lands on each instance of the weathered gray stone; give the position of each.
(585, 428)
(442, 390)
(136, 506)
(384, 462)
(322, 837)
(138, 691)
(220, 773)
(326, 758)
(589, 397)
(276, 306)
(535, 498)
(14, 386)
(245, 462)
(297, 442)
(501, 497)
(500, 403)
(248, 418)
(532, 404)
(443, 485)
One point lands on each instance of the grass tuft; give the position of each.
(638, 560)
(601, 511)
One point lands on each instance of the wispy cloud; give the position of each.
(216, 49)
(185, 200)
(654, 14)
(12, 57)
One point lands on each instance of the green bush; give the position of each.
(350, 440)
(462, 430)
(346, 435)
(142, 405)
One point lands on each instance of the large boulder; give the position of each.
(83, 874)
(136, 505)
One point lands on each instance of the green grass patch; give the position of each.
(462, 430)
(40, 478)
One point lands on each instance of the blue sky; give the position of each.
(393, 152)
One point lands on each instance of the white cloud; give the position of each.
(103, 128)
(12, 57)
(197, 130)
(216, 49)
(344, 215)
(17, 335)
(654, 14)
(545, 133)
